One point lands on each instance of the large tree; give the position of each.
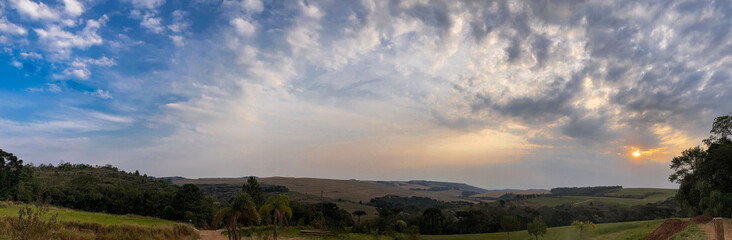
(705, 174)
(536, 228)
(241, 210)
(278, 208)
(254, 190)
(12, 172)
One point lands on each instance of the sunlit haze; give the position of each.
(496, 94)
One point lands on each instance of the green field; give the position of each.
(651, 195)
(7, 210)
(623, 230)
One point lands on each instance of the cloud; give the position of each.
(243, 27)
(34, 10)
(48, 87)
(148, 4)
(151, 22)
(177, 40)
(73, 8)
(8, 27)
(179, 21)
(59, 42)
(103, 94)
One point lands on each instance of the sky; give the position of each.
(497, 94)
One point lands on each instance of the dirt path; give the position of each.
(211, 235)
(216, 235)
(709, 229)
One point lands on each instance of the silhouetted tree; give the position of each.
(359, 213)
(705, 176)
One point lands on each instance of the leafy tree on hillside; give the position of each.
(12, 172)
(190, 205)
(359, 213)
(537, 227)
(254, 190)
(582, 226)
(277, 207)
(510, 224)
(705, 175)
(241, 210)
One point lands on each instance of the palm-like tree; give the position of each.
(278, 207)
(241, 210)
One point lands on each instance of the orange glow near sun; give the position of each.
(636, 153)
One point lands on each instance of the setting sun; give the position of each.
(636, 153)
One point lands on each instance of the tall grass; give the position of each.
(33, 223)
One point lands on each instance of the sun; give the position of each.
(636, 153)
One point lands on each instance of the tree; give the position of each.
(359, 213)
(537, 227)
(581, 226)
(278, 207)
(241, 210)
(191, 205)
(705, 175)
(12, 172)
(432, 221)
(509, 224)
(254, 190)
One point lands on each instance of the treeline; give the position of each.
(487, 217)
(110, 190)
(584, 191)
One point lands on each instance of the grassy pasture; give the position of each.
(650, 195)
(9, 210)
(622, 230)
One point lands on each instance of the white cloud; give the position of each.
(48, 87)
(11, 28)
(151, 22)
(149, 4)
(177, 40)
(80, 73)
(59, 42)
(17, 64)
(243, 27)
(73, 7)
(31, 55)
(103, 95)
(254, 6)
(179, 22)
(35, 10)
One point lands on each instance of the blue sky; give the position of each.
(499, 94)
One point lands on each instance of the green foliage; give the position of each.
(241, 210)
(321, 215)
(537, 227)
(705, 176)
(432, 221)
(190, 205)
(12, 173)
(584, 226)
(510, 224)
(253, 189)
(278, 208)
(400, 226)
